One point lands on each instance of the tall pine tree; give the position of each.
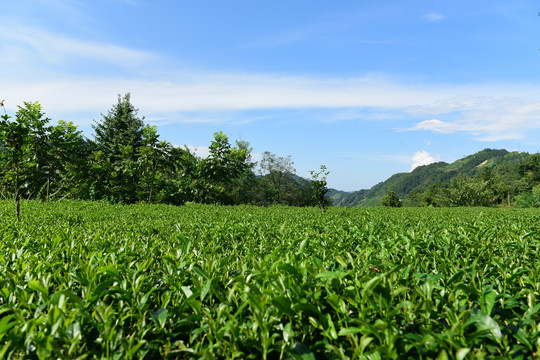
(121, 127)
(117, 140)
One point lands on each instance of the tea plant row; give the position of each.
(92, 280)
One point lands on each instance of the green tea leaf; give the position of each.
(205, 289)
(38, 286)
(523, 338)
(301, 352)
(462, 353)
(5, 325)
(287, 332)
(160, 317)
(111, 270)
(488, 298)
(331, 275)
(282, 304)
(485, 323)
(101, 289)
(187, 291)
(349, 331)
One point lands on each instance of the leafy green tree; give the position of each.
(530, 199)
(65, 162)
(22, 140)
(245, 180)
(154, 161)
(180, 185)
(213, 171)
(530, 168)
(391, 199)
(99, 170)
(320, 189)
(466, 191)
(278, 172)
(220, 172)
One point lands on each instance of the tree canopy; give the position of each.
(127, 162)
(119, 129)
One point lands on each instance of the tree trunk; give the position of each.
(17, 197)
(150, 194)
(18, 206)
(48, 184)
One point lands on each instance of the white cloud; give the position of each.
(433, 17)
(199, 151)
(212, 93)
(421, 158)
(497, 118)
(217, 98)
(488, 112)
(60, 49)
(435, 125)
(234, 92)
(204, 151)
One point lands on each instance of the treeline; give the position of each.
(508, 184)
(489, 177)
(127, 162)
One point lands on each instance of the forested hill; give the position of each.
(491, 173)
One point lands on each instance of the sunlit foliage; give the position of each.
(94, 280)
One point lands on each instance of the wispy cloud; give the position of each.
(488, 112)
(496, 119)
(215, 98)
(60, 49)
(223, 92)
(436, 126)
(433, 17)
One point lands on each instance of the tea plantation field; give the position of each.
(90, 280)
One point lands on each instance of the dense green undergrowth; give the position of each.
(93, 280)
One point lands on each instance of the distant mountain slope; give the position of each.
(423, 176)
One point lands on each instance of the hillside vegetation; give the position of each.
(493, 175)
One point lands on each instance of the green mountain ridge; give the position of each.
(507, 164)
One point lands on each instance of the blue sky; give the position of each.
(368, 88)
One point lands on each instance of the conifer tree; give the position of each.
(117, 139)
(121, 127)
